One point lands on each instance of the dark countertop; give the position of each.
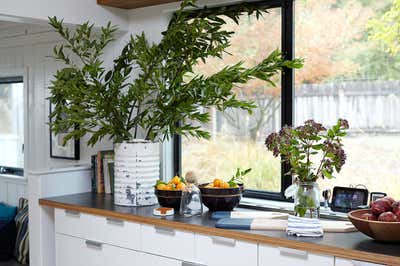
(347, 245)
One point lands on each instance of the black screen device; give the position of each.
(376, 195)
(345, 199)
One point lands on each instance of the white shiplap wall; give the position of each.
(31, 54)
(12, 188)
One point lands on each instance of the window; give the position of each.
(12, 125)
(238, 138)
(351, 71)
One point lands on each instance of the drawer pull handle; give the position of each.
(186, 263)
(115, 221)
(164, 230)
(72, 213)
(289, 252)
(224, 241)
(93, 244)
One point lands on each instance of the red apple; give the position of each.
(380, 206)
(387, 217)
(396, 208)
(390, 199)
(369, 217)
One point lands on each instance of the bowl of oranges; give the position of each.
(169, 194)
(223, 196)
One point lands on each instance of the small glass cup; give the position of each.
(191, 203)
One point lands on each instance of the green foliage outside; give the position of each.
(386, 29)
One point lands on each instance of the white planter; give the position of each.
(137, 168)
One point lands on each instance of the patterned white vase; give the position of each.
(137, 168)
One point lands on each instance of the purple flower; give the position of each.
(343, 123)
(301, 146)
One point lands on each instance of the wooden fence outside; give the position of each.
(369, 106)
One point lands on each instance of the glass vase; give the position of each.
(307, 200)
(191, 203)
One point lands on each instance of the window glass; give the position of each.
(11, 125)
(352, 71)
(237, 137)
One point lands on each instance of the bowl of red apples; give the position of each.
(381, 221)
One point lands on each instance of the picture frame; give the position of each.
(71, 150)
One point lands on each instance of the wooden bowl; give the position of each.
(169, 198)
(381, 231)
(220, 199)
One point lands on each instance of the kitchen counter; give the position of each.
(347, 245)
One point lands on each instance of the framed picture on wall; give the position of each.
(69, 151)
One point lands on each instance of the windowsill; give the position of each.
(281, 206)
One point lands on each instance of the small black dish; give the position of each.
(169, 198)
(220, 199)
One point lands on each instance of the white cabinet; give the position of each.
(98, 228)
(92, 240)
(347, 262)
(72, 251)
(152, 260)
(277, 256)
(168, 242)
(220, 251)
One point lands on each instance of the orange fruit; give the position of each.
(168, 187)
(180, 186)
(161, 186)
(176, 180)
(211, 185)
(224, 185)
(217, 182)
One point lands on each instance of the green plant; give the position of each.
(238, 177)
(165, 97)
(300, 145)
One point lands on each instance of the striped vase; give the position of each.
(137, 168)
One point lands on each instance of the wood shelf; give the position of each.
(132, 4)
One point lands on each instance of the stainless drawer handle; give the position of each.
(164, 230)
(115, 221)
(223, 241)
(186, 263)
(289, 252)
(93, 244)
(72, 213)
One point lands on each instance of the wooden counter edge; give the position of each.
(262, 239)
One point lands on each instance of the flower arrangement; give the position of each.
(313, 152)
(304, 145)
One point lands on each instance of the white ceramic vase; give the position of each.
(137, 168)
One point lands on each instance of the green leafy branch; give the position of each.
(238, 177)
(165, 96)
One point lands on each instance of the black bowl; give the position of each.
(169, 198)
(220, 199)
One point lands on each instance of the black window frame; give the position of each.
(287, 95)
(7, 170)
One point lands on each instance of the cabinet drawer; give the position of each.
(347, 262)
(168, 242)
(277, 256)
(220, 251)
(99, 228)
(72, 251)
